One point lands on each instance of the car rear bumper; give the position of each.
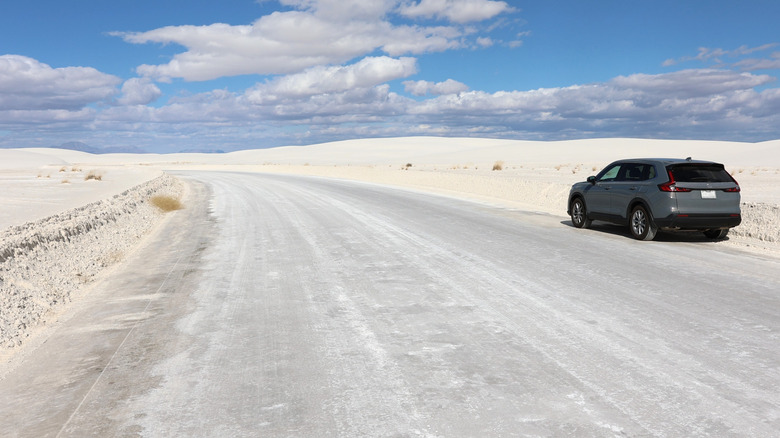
(698, 221)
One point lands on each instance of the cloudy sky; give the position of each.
(171, 75)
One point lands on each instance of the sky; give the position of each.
(183, 75)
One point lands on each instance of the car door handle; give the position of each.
(632, 188)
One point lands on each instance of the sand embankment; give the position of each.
(46, 264)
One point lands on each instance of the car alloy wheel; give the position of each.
(641, 225)
(579, 216)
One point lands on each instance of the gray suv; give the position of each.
(659, 194)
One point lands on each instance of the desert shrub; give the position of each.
(166, 203)
(498, 165)
(93, 175)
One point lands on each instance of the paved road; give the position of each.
(289, 306)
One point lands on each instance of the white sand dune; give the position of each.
(68, 227)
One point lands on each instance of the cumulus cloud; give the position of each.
(317, 32)
(327, 101)
(422, 88)
(139, 91)
(367, 73)
(691, 83)
(638, 105)
(274, 44)
(27, 84)
(344, 10)
(723, 104)
(457, 11)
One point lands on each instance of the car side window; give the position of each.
(610, 174)
(634, 172)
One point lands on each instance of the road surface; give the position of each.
(285, 306)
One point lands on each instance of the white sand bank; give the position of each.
(47, 263)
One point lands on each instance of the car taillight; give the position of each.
(670, 185)
(733, 189)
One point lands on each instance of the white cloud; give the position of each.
(344, 10)
(289, 42)
(139, 91)
(637, 105)
(326, 103)
(717, 55)
(691, 103)
(421, 88)
(457, 11)
(484, 41)
(752, 64)
(691, 83)
(367, 73)
(27, 84)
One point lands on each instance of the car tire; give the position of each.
(717, 234)
(641, 224)
(579, 215)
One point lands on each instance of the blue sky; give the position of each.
(171, 75)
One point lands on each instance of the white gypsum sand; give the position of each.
(533, 176)
(46, 263)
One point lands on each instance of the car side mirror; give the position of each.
(592, 179)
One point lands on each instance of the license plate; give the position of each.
(708, 194)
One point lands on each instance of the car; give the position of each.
(653, 194)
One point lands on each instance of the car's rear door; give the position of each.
(631, 180)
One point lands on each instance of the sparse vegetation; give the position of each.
(93, 175)
(166, 203)
(63, 169)
(498, 165)
(66, 181)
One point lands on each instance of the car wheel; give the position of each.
(579, 216)
(641, 224)
(717, 234)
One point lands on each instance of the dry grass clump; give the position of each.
(166, 203)
(498, 165)
(93, 175)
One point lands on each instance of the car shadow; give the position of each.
(662, 236)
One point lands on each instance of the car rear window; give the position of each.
(700, 173)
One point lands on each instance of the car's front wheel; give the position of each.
(641, 224)
(579, 216)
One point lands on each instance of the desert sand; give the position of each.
(67, 216)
